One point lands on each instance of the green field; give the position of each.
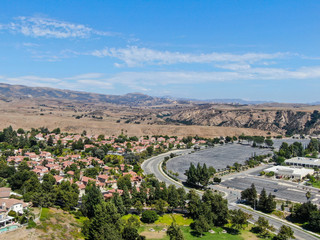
(164, 222)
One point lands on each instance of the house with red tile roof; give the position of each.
(103, 178)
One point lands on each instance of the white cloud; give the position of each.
(134, 56)
(187, 77)
(51, 28)
(81, 82)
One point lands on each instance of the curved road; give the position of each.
(153, 166)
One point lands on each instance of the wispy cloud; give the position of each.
(187, 77)
(51, 28)
(145, 81)
(135, 56)
(80, 82)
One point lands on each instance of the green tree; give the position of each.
(91, 172)
(174, 232)
(269, 142)
(239, 219)
(138, 206)
(193, 204)
(302, 212)
(285, 233)
(130, 233)
(215, 208)
(173, 196)
(67, 195)
(314, 221)
(192, 176)
(270, 204)
(92, 197)
(263, 227)
(50, 141)
(201, 225)
(182, 197)
(126, 199)
(250, 195)
(117, 201)
(262, 200)
(160, 206)
(124, 181)
(105, 223)
(308, 195)
(149, 216)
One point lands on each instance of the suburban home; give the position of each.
(16, 205)
(5, 192)
(103, 178)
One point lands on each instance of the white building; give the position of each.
(303, 162)
(283, 171)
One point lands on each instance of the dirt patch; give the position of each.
(249, 236)
(153, 235)
(58, 225)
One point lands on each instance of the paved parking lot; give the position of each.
(218, 157)
(277, 142)
(284, 189)
(221, 156)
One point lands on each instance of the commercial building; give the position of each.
(291, 172)
(304, 162)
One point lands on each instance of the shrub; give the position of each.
(31, 224)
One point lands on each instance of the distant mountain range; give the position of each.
(229, 101)
(9, 92)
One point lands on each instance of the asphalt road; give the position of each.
(152, 166)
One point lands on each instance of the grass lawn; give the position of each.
(189, 234)
(44, 214)
(167, 219)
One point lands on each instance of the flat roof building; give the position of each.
(303, 162)
(291, 172)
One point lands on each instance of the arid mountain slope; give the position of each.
(150, 114)
(282, 121)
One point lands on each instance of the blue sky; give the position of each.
(254, 50)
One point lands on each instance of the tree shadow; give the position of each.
(232, 231)
(192, 185)
(195, 233)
